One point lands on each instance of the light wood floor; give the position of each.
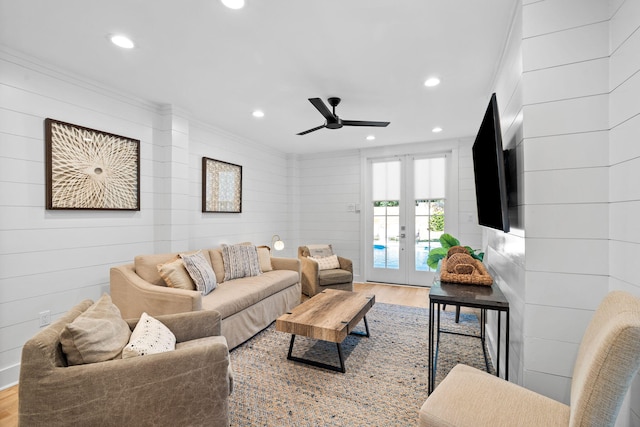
(391, 294)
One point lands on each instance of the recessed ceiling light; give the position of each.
(436, 129)
(432, 81)
(258, 113)
(233, 4)
(371, 138)
(122, 41)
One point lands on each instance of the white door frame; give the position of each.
(449, 149)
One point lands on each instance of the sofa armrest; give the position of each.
(133, 391)
(309, 278)
(292, 264)
(189, 326)
(345, 264)
(134, 295)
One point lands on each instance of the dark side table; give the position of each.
(475, 296)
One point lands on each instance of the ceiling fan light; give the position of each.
(432, 81)
(233, 4)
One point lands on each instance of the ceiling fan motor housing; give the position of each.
(334, 124)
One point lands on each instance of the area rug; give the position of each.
(385, 381)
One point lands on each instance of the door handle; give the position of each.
(403, 235)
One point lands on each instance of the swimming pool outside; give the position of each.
(388, 256)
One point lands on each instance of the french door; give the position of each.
(405, 215)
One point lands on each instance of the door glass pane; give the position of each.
(429, 223)
(386, 234)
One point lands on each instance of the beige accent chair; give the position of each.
(315, 280)
(187, 386)
(608, 359)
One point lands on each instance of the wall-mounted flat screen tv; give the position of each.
(489, 171)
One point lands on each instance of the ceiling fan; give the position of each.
(332, 119)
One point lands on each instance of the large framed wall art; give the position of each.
(221, 186)
(90, 169)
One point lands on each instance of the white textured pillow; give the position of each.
(200, 271)
(150, 336)
(327, 263)
(240, 261)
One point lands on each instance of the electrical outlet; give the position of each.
(45, 318)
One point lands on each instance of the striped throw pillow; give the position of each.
(200, 271)
(240, 261)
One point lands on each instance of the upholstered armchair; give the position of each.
(186, 386)
(608, 359)
(322, 269)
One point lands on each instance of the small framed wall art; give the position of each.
(221, 186)
(90, 169)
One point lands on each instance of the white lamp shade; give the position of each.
(277, 244)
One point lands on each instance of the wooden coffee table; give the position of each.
(329, 316)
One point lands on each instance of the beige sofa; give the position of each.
(246, 305)
(188, 386)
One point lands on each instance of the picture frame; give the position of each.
(89, 169)
(221, 186)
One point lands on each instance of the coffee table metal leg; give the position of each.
(366, 327)
(341, 368)
(293, 338)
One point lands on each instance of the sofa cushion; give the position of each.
(175, 275)
(240, 261)
(236, 295)
(97, 335)
(327, 262)
(333, 277)
(217, 263)
(200, 271)
(150, 336)
(264, 258)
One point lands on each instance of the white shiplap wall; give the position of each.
(566, 183)
(624, 160)
(325, 184)
(51, 260)
(505, 251)
(579, 84)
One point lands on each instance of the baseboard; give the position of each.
(9, 376)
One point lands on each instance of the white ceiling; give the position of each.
(220, 64)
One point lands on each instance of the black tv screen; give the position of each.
(489, 171)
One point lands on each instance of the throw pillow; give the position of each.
(327, 263)
(175, 275)
(320, 251)
(264, 258)
(150, 336)
(97, 335)
(200, 271)
(240, 261)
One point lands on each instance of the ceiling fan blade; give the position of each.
(310, 130)
(324, 110)
(364, 123)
